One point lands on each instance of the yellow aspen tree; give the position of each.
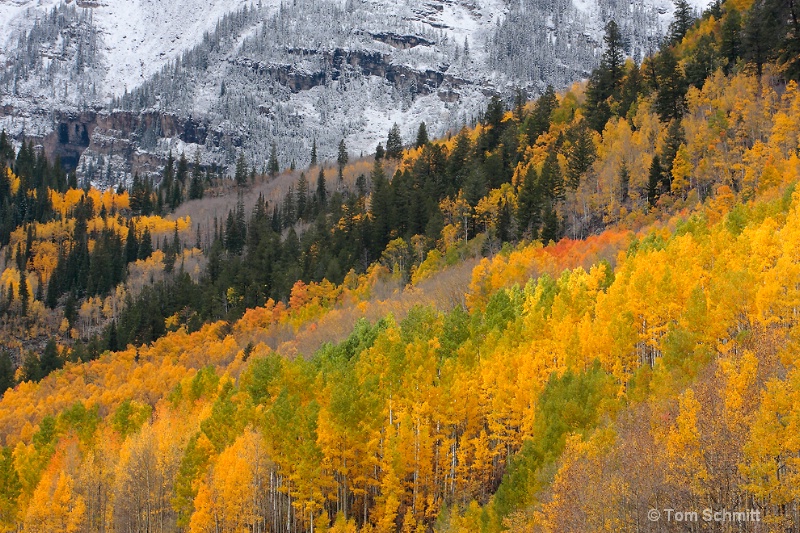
(55, 506)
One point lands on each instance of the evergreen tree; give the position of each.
(272, 166)
(654, 180)
(682, 21)
(314, 153)
(183, 169)
(606, 81)
(145, 244)
(341, 160)
(394, 144)
(551, 180)
(580, 156)
(112, 341)
(613, 57)
(763, 32)
(379, 152)
(31, 367)
(422, 135)
(24, 294)
(631, 88)
(539, 120)
(529, 203)
(6, 372)
(381, 209)
(196, 185)
(131, 244)
(703, 62)
(50, 360)
(671, 87)
(624, 182)
(675, 137)
(240, 175)
(731, 42)
(322, 190)
(168, 174)
(302, 195)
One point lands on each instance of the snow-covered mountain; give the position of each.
(112, 85)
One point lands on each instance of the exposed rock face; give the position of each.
(116, 135)
(337, 62)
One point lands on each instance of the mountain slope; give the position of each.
(324, 70)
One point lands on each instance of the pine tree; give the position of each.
(624, 182)
(539, 120)
(381, 208)
(394, 144)
(581, 155)
(671, 88)
(730, 47)
(764, 30)
(422, 135)
(341, 160)
(551, 179)
(168, 174)
(50, 360)
(682, 21)
(240, 175)
(631, 88)
(6, 372)
(24, 294)
(145, 244)
(529, 203)
(112, 341)
(272, 166)
(183, 169)
(606, 81)
(314, 153)
(196, 185)
(613, 57)
(322, 190)
(131, 244)
(654, 180)
(302, 196)
(379, 152)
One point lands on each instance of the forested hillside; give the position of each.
(581, 309)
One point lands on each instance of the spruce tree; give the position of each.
(314, 153)
(131, 244)
(580, 156)
(322, 190)
(394, 144)
(302, 196)
(730, 47)
(422, 135)
(341, 160)
(273, 166)
(240, 175)
(50, 360)
(183, 169)
(654, 180)
(624, 182)
(6, 372)
(168, 174)
(379, 152)
(196, 185)
(145, 244)
(24, 294)
(538, 122)
(529, 203)
(671, 92)
(682, 21)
